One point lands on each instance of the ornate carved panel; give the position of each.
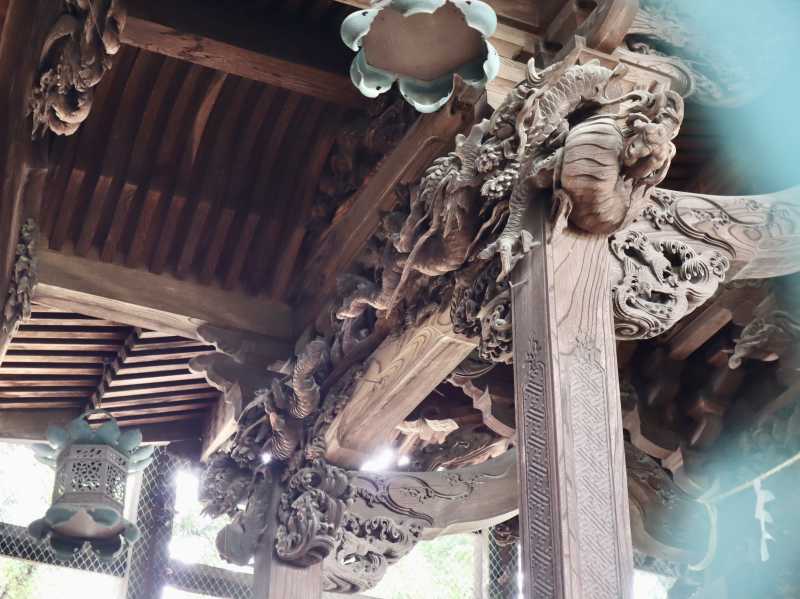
(17, 306)
(76, 54)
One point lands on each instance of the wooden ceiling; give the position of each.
(186, 170)
(65, 360)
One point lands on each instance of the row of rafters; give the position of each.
(61, 360)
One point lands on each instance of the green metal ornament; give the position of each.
(422, 45)
(92, 468)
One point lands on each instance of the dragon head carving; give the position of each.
(651, 125)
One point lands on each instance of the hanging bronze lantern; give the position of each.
(92, 468)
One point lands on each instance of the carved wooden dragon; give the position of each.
(557, 135)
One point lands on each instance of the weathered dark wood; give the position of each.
(429, 137)
(296, 58)
(163, 245)
(31, 425)
(710, 321)
(398, 376)
(274, 578)
(574, 505)
(156, 302)
(23, 163)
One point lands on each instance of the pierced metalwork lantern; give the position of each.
(92, 468)
(421, 45)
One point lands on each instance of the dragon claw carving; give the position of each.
(511, 249)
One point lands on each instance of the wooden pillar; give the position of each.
(275, 579)
(573, 495)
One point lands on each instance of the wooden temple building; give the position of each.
(561, 302)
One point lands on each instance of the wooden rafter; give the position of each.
(157, 302)
(31, 425)
(295, 58)
(59, 363)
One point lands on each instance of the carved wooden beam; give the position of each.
(685, 245)
(573, 498)
(392, 511)
(31, 426)
(397, 377)
(760, 233)
(431, 135)
(232, 40)
(162, 303)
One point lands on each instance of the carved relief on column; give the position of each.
(539, 474)
(17, 306)
(76, 54)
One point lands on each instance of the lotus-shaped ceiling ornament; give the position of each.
(421, 44)
(92, 467)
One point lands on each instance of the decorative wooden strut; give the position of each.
(17, 306)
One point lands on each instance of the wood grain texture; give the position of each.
(446, 502)
(398, 376)
(298, 59)
(274, 578)
(30, 425)
(153, 301)
(429, 137)
(760, 234)
(220, 424)
(574, 506)
(23, 163)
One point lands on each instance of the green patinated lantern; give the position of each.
(421, 45)
(92, 468)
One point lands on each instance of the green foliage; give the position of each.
(440, 569)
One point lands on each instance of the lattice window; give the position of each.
(115, 484)
(86, 476)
